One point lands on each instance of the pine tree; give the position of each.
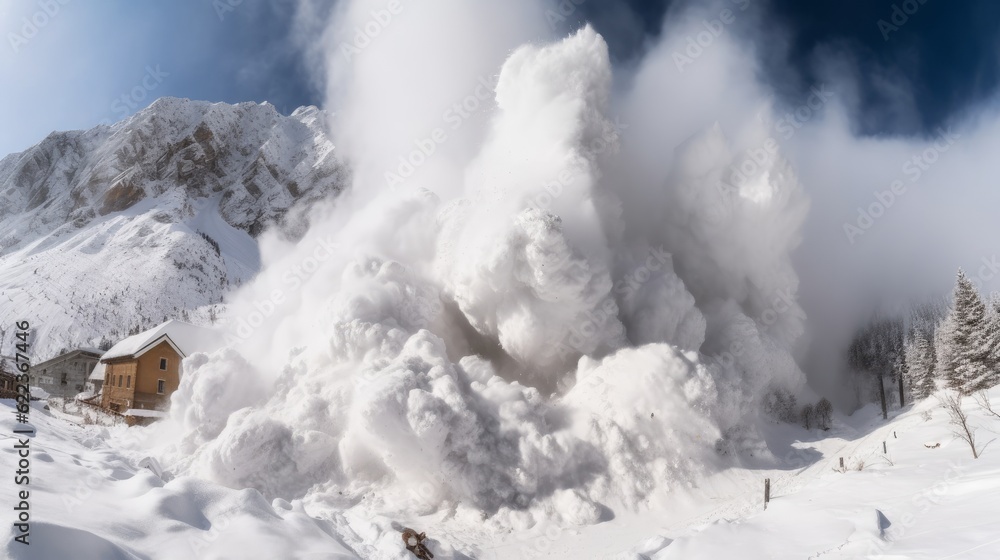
(877, 350)
(920, 361)
(944, 346)
(930, 356)
(808, 415)
(914, 363)
(971, 345)
(900, 372)
(991, 352)
(824, 414)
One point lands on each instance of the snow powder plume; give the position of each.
(551, 314)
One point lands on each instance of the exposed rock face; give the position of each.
(118, 226)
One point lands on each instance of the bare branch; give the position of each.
(983, 400)
(952, 403)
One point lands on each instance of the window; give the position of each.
(163, 364)
(160, 386)
(63, 378)
(119, 380)
(128, 382)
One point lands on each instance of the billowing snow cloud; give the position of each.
(559, 303)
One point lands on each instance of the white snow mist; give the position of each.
(565, 298)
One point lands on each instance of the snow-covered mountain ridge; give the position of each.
(108, 230)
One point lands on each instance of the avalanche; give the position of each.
(925, 498)
(533, 364)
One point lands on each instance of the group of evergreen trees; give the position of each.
(958, 345)
(878, 352)
(966, 346)
(921, 364)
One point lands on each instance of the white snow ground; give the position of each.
(91, 500)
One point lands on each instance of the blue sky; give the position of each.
(89, 62)
(98, 61)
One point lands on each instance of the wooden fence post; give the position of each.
(884, 449)
(767, 491)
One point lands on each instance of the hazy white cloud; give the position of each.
(588, 263)
(560, 248)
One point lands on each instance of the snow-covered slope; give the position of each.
(112, 229)
(917, 502)
(925, 497)
(93, 502)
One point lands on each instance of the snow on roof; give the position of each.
(65, 355)
(188, 339)
(141, 412)
(98, 373)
